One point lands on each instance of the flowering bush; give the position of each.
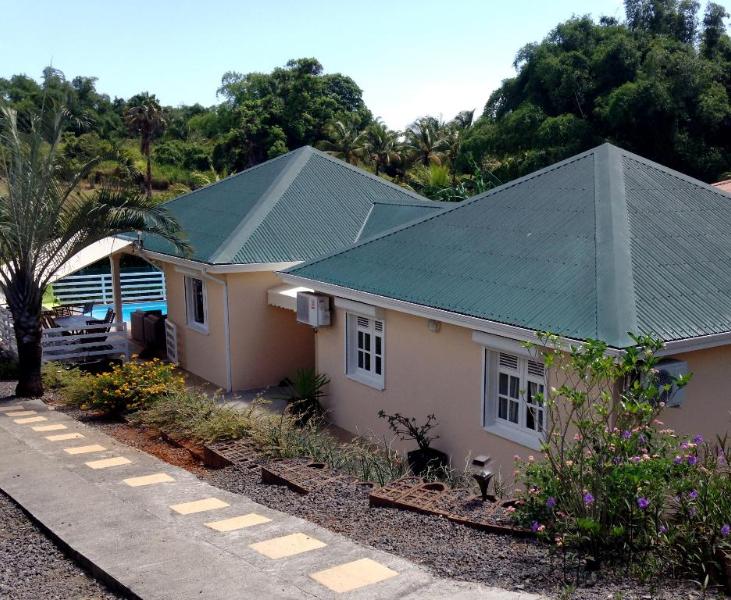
(132, 386)
(608, 465)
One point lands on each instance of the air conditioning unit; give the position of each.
(313, 309)
(668, 371)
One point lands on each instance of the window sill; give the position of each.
(369, 381)
(197, 328)
(524, 438)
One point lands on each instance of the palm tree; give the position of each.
(346, 140)
(145, 117)
(45, 220)
(426, 141)
(381, 145)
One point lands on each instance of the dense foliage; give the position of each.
(657, 83)
(614, 483)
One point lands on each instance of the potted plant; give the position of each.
(424, 457)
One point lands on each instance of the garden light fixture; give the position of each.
(481, 474)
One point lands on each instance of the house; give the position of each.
(224, 301)
(430, 317)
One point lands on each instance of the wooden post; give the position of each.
(114, 260)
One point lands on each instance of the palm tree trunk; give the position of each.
(24, 301)
(148, 176)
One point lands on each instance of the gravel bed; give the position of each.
(446, 549)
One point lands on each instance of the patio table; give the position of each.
(76, 322)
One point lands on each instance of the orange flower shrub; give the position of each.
(132, 386)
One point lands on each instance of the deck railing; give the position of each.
(94, 341)
(137, 286)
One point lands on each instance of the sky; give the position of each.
(410, 57)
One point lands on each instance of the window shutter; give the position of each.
(379, 326)
(363, 322)
(536, 368)
(509, 361)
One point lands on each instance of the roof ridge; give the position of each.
(457, 206)
(238, 237)
(432, 204)
(234, 175)
(364, 173)
(616, 306)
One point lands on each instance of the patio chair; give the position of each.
(109, 316)
(87, 308)
(63, 310)
(48, 319)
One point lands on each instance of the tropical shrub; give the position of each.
(132, 386)
(604, 486)
(305, 392)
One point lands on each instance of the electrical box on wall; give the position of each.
(313, 309)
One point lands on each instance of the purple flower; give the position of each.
(662, 529)
(684, 445)
(698, 439)
(692, 460)
(626, 434)
(535, 526)
(678, 459)
(643, 503)
(693, 494)
(725, 530)
(551, 502)
(692, 511)
(588, 498)
(642, 438)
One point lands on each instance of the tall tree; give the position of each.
(426, 141)
(346, 141)
(145, 118)
(45, 220)
(381, 145)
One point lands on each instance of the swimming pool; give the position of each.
(128, 308)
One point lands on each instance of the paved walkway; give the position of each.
(160, 533)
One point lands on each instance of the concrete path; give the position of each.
(158, 532)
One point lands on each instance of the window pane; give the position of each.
(502, 408)
(514, 387)
(360, 339)
(360, 359)
(503, 384)
(197, 289)
(514, 406)
(367, 341)
(530, 421)
(378, 365)
(367, 365)
(378, 345)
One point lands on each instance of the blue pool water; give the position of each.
(128, 308)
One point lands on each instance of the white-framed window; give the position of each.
(514, 397)
(196, 303)
(365, 349)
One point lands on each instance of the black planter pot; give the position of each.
(420, 460)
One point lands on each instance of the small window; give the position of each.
(514, 397)
(364, 350)
(196, 303)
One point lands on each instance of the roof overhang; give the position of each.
(91, 254)
(513, 332)
(285, 296)
(212, 268)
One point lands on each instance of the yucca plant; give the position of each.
(306, 390)
(45, 219)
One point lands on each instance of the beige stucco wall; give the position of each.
(267, 343)
(202, 354)
(441, 373)
(707, 401)
(425, 373)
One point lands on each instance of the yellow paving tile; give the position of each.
(353, 575)
(84, 449)
(22, 413)
(105, 463)
(27, 420)
(188, 508)
(7, 408)
(235, 523)
(54, 427)
(287, 545)
(62, 437)
(148, 480)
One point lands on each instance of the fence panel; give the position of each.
(67, 343)
(7, 333)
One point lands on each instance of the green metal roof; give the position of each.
(595, 246)
(383, 217)
(295, 207)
